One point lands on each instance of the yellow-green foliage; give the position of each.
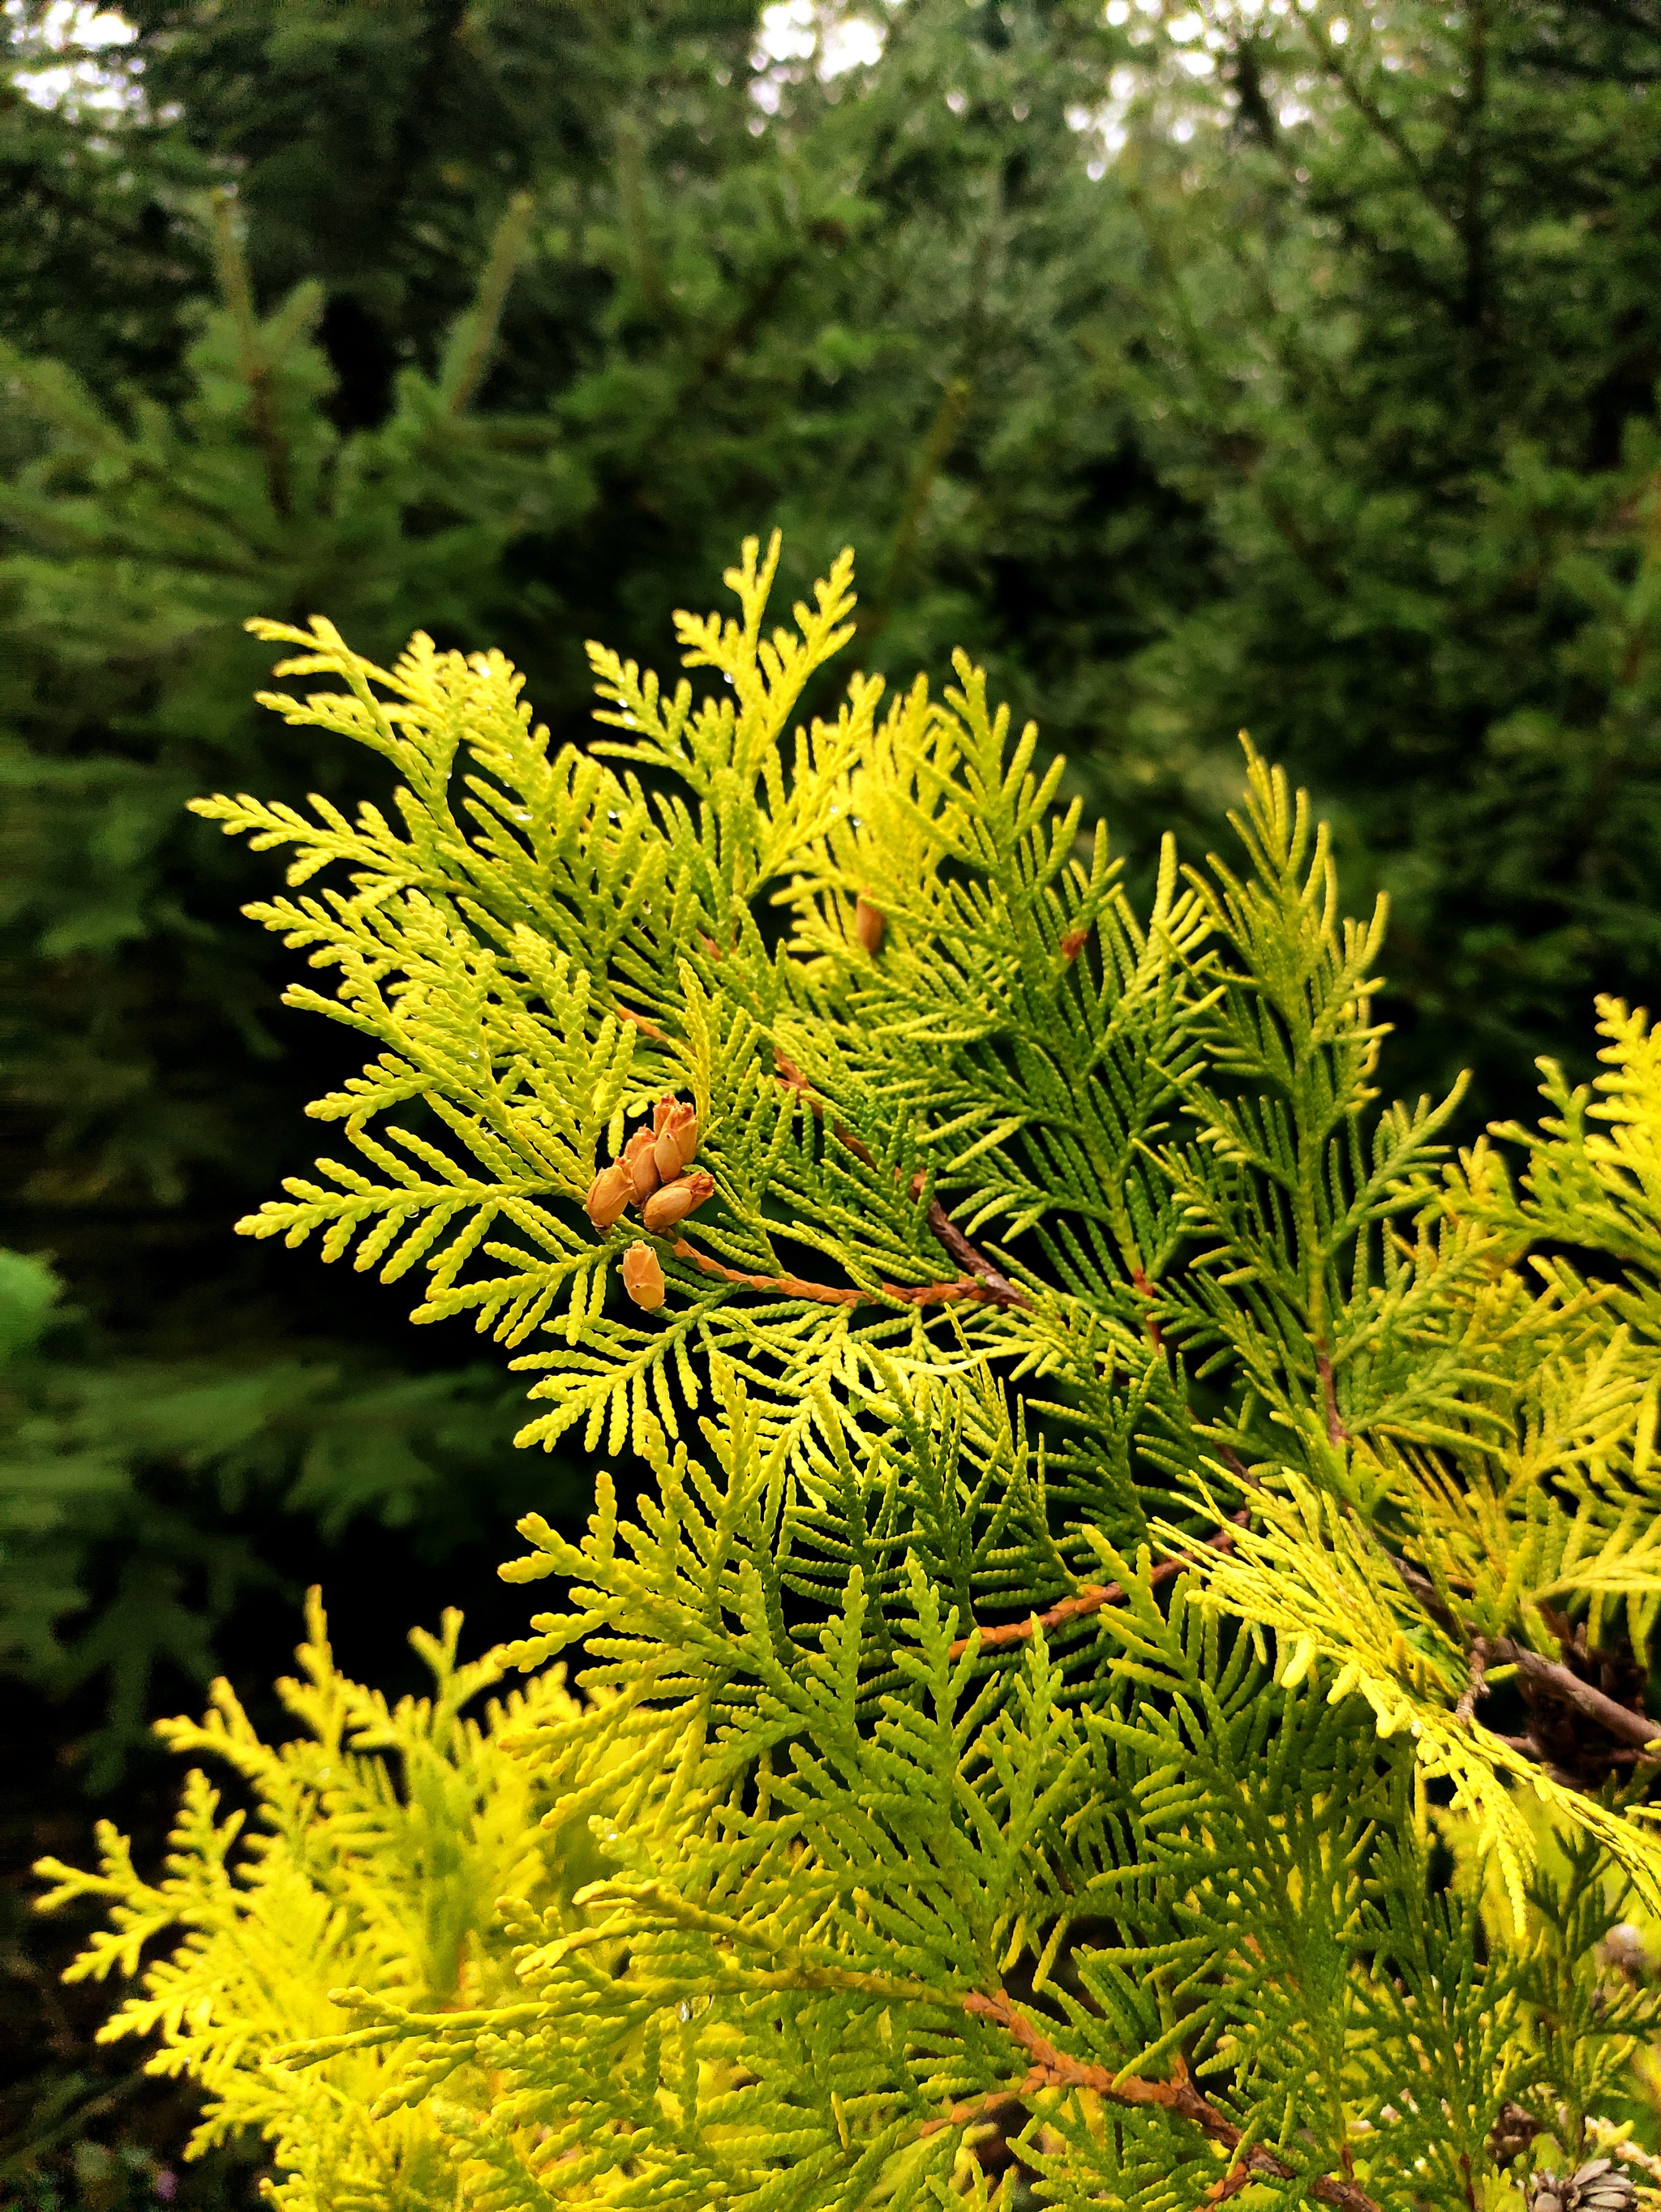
(379, 1843)
(1121, 1499)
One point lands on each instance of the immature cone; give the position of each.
(642, 1277)
(675, 1132)
(640, 1166)
(869, 923)
(675, 1200)
(1622, 1951)
(609, 1195)
(1597, 2186)
(1512, 2132)
(1074, 943)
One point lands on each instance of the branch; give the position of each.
(1088, 1598)
(631, 190)
(1473, 232)
(1565, 1687)
(936, 448)
(993, 2107)
(1477, 1687)
(1549, 1680)
(794, 1286)
(1391, 132)
(233, 271)
(1054, 2069)
(1155, 1334)
(468, 353)
(1336, 1432)
(998, 1286)
(994, 1284)
(1254, 103)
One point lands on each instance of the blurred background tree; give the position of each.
(1247, 363)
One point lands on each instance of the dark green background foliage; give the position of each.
(1195, 370)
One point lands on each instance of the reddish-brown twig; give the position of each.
(990, 2107)
(1050, 2068)
(1336, 1432)
(830, 1294)
(1091, 1597)
(1155, 1334)
(998, 1288)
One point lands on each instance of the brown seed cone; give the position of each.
(609, 1195)
(1623, 1952)
(675, 1200)
(675, 1129)
(869, 923)
(642, 1276)
(1512, 2133)
(639, 1159)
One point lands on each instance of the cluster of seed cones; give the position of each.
(652, 1173)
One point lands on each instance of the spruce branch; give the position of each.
(232, 268)
(941, 436)
(467, 355)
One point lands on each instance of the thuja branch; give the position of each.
(998, 1286)
(830, 1294)
(1051, 2069)
(1546, 1677)
(1088, 1598)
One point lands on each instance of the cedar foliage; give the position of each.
(1339, 427)
(1126, 1682)
(681, 289)
(382, 1837)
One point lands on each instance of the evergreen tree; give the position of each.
(136, 1048)
(1128, 1673)
(99, 264)
(1403, 341)
(1207, 367)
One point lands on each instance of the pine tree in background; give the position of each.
(99, 264)
(1128, 1675)
(1403, 266)
(135, 546)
